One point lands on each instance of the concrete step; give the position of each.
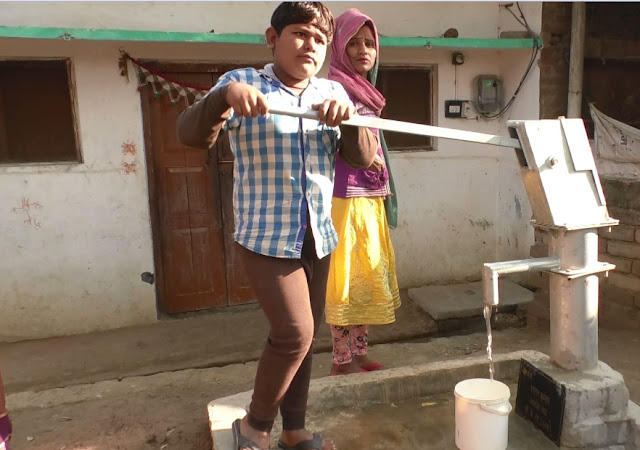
(457, 301)
(196, 341)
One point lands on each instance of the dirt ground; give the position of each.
(168, 410)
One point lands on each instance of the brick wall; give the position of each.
(620, 291)
(554, 59)
(612, 65)
(612, 39)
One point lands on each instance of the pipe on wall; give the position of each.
(576, 59)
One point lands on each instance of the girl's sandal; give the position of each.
(374, 366)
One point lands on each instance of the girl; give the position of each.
(362, 289)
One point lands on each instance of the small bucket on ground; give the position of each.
(482, 414)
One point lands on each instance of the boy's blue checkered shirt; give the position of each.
(283, 165)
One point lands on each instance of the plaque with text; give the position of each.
(540, 400)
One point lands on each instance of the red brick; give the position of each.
(613, 315)
(623, 265)
(541, 237)
(602, 245)
(625, 249)
(593, 48)
(629, 282)
(624, 215)
(613, 48)
(619, 232)
(610, 293)
(539, 306)
(621, 193)
(556, 17)
(538, 280)
(635, 268)
(633, 48)
(553, 75)
(539, 251)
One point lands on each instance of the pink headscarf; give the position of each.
(341, 70)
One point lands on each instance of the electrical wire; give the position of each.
(455, 81)
(534, 54)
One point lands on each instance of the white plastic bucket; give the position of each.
(482, 414)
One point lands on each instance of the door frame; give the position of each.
(161, 305)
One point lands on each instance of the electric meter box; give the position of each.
(488, 93)
(559, 174)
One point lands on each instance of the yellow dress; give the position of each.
(362, 288)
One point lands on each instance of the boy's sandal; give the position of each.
(240, 441)
(315, 443)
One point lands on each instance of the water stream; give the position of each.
(487, 319)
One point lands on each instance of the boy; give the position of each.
(283, 184)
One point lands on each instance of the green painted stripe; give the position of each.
(127, 35)
(386, 41)
(238, 38)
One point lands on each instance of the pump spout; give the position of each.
(491, 272)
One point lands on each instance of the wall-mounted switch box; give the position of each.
(453, 108)
(457, 108)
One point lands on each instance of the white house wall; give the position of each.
(80, 270)
(472, 19)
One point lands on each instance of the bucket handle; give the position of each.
(500, 410)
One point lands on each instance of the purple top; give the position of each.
(350, 182)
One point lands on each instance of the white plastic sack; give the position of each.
(617, 147)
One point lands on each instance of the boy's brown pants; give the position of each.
(291, 293)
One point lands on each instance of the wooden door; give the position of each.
(192, 215)
(240, 291)
(188, 232)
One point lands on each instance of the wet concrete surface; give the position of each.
(427, 422)
(405, 408)
(167, 410)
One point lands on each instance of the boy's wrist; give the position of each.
(219, 97)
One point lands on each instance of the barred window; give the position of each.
(408, 91)
(37, 123)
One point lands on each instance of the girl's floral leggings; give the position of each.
(349, 341)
